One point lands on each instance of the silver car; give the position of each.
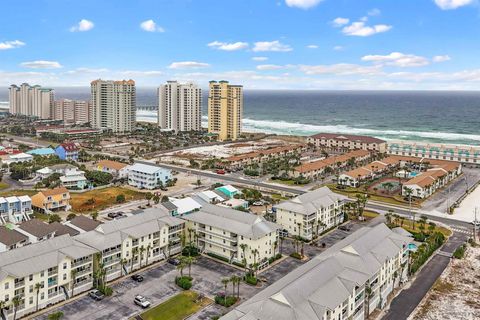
(141, 301)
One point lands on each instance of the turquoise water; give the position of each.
(412, 247)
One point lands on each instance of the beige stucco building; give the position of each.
(225, 110)
(33, 101)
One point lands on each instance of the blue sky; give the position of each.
(264, 44)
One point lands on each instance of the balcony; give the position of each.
(52, 272)
(83, 272)
(111, 261)
(19, 284)
(81, 262)
(223, 245)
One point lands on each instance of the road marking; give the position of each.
(461, 230)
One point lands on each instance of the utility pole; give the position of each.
(475, 227)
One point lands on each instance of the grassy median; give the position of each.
(178, 307)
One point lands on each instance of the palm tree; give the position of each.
(225, 282)
(244, 247)
(3, 304)
(16, 301)
(134, 253)
(233, 280)
(149, 247)
(73, 274)
(94, 215)
(141, 250)
(236, 280)
(149, 197)
(181, 266)
(38, 286)
(189, 261)
(281, 243)
(156, 198)
(368, 295)
(123, 263)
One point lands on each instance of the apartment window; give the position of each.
(7, 297)
(64, 266)
(30, 300)
(6, 285)
(42, 273)
(64, 276)
(30, 289)
(42, 296)
(30, 277)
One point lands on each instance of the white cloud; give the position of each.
(452, 4)
(259, 58)
(188, 65)
(269, 67)
(151, 26)
(228, 46)
(397, 59)
(138, 73)
(338, 22)
(271, 46)
(41, 64)
(360, 29)
(302, 4)
(442, 58)
(312, 46)
(374, 12)
(343, 69)
(11, 44)
(84, 70)
(338, 48)
(83, 25)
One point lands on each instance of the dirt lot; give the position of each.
(455, 295)
(101, 199)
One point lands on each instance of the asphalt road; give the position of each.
(404, 304)
(226, 177)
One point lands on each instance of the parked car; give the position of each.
(137, 277)
(344, 228)
(96, 295)
(174, 261)
(258, 203)
(220, 171)
(112, 215)
(141, 301)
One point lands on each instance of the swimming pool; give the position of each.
(412, 247)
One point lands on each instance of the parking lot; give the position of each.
(158, 284)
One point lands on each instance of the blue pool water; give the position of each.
(412, 247)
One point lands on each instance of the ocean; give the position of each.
(430, 116)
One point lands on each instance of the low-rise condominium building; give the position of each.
(350, 280)
(347, 142)
(309, 214)
(15, 209)
(233, 235)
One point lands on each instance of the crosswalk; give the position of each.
(461, 230)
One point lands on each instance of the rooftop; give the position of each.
(37, 228)
(9, 237)
(345, 137)
(326, 281)
(312, 201)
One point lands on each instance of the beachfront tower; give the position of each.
(179, 106)
(113, 105)
(225, 110)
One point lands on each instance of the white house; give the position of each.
(148, 176)
(19, 157)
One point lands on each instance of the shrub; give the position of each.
(238, 264)
(250, 279)
(71, 216)
(184, 282)
(190, 251)
(274, 258)
(120, 198)
(216, 256)
(460, 252)
(296, 255)
(220, 299)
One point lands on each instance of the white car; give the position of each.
(141, 301)
(475, 222)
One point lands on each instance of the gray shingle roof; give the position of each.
(40, 256)
(239, 222)
(312, 201)
(84, 223)
(112, 233)
(326, 281)
(37, 228)
(9, 237)
(61, 229)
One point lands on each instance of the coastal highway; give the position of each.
(229, 178)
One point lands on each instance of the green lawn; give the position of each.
(3, 185)
(178, 307)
